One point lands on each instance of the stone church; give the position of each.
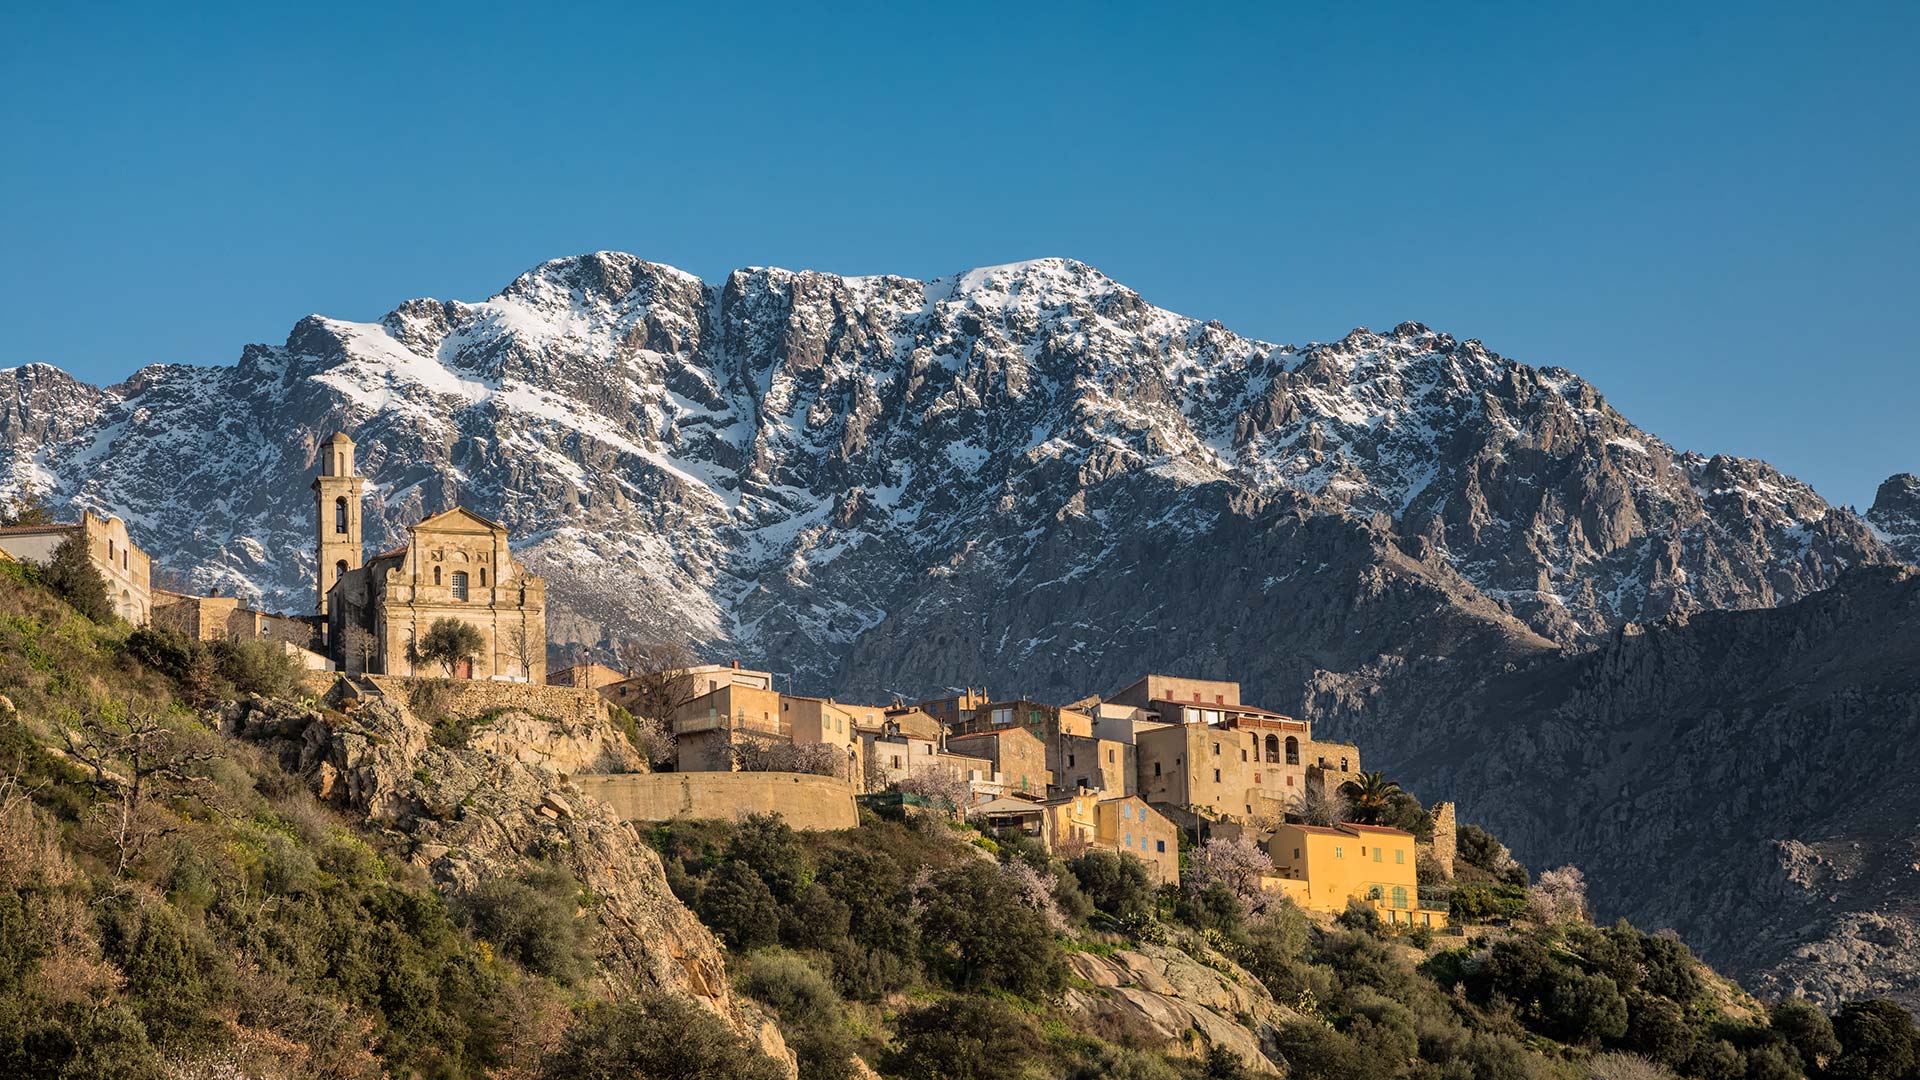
(455, 564)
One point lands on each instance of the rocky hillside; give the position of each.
(1749, 779)
(823, 471)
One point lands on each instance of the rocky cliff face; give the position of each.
(1750, 779)
(1896, 515)
(486, 809)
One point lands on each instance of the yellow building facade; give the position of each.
(1325, 869)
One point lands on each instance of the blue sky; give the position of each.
(1709, 213)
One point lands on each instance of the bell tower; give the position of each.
(337, 492)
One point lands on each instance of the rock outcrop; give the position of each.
(482, 812)
(1896, 515)
(1161, 995)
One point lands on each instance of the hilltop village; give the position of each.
(1164, 762)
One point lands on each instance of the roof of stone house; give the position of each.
(58, 526)
(1354, 826)
(1009, 804)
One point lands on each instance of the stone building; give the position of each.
(125, 568)
(1018, 754)
(454, 565)
(1203, 757)
(1071, 825)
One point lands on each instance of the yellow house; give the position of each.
(1322, 869)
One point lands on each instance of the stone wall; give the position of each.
(805, 801)
(1445, 841)
(476, 697)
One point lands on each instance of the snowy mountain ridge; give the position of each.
(776, 465)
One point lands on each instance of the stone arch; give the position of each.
(340, 515)
(1273, 748)
(1293, 750)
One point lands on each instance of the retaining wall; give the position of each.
(804, 800)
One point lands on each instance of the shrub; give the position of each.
(976, 931)
(1625, 1067)
(809, 1011)
(257, 666)
(1478, 848)
(1808, 1030)
(531, 918)
(1118, 883)
(968, 1038)
(660, 1037)
(739, 907)
(1585, 1008)
(1658, 1028)
(1877, 1041)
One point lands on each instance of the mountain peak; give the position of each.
(1895, 516)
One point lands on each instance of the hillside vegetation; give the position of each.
(174, 904)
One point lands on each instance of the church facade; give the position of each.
(454, 565)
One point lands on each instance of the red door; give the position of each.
(463, 669)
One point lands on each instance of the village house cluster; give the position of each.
(1161, 761)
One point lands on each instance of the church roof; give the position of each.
(337, 437)
(459, 513)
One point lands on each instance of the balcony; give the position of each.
(740, 722)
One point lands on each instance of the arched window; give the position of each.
(1273, 748)
(1343, 764)
(339, 569)
(109, 549)
(483, 577)
(340, 514)
(459, 584)
(1400, 896)
(436, 575)
(1293, 750)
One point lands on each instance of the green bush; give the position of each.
(1877, 1042)
(657, 1037)
(532, 919)
(809, 1011)
(1118, 883)
(976, 931)
(966, 1038)
(257, 666)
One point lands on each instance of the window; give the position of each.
(1296, 853)
(339, 569)
(1216, 776)
(1293, 750)
(1256, 778)
(1273, 748)
(459, 584)
(1343, 764)
(436, 575)
(1156, 768)
(1069, 761)
(1400, 896)
(1160, 846)
(1339, 852)
(1376, 854)
(109, 549)
(1400, 856)
(896, 764)
(1216, 749)
(1129, 840)
(483, 577)
(340, 514)
(1243, 755)
(1289, 781)
(1109, 755)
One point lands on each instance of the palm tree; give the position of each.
(1371, 796)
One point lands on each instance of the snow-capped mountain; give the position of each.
(799, 467)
